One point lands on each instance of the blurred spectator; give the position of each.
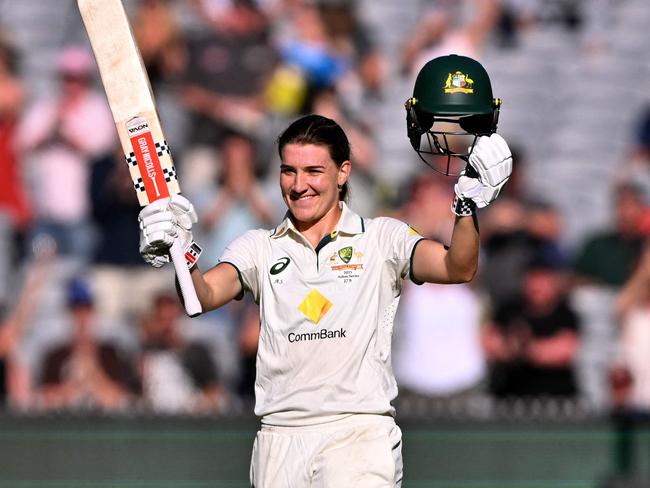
(117, 267)
(15, 212)
(438, 352)
(444, 29)
(437, 342)
(237, 203)
(178, 375)
(531, 343)
(354, 42)
(607, 258)
(160, 40)
(61, 148)
(307, 46)
(227, 69)
(86, 372)
(630, 374)
(16, 387)
(324, 46)
(602, 265)
(513, 232)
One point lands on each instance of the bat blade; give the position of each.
(133, 107)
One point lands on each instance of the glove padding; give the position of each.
(161, 222)
(492, 161)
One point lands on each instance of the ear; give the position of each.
(343, 173)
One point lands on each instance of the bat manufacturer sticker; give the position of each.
(145, 152)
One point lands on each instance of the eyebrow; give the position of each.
(284, 166)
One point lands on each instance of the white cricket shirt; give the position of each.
(326, 316)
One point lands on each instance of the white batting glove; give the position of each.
(163, 221)
(492, 161)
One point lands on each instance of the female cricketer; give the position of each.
(328, 282)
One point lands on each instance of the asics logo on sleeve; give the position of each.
(280, 266)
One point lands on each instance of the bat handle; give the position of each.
(192, 304)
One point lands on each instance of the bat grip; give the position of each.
(192, 304)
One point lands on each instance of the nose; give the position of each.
(299, 183)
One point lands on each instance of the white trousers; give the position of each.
(360, 451)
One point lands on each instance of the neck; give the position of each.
(315, 231)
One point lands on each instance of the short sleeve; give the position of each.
(245, 254)
(398, 241)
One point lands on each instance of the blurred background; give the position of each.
(536, 374)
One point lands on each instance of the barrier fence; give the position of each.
(182, 452)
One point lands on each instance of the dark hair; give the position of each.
(319, 130)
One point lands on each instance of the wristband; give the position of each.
(192, 253)
(462, 207)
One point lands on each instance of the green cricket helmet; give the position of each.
(452, 105)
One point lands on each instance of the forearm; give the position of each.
(462, 256)
(216, 287)
(555, 351)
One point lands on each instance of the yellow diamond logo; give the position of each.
(315, 306)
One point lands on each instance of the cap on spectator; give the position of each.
(78, 293)
(546, 259)
(76, 61)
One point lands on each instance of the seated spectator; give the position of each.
(86, 373)
(531, 342)
(178, 375)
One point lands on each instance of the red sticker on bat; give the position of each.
(146, 155)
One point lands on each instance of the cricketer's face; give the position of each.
(309, 181)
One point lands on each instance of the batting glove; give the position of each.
(492, 161)
(163, 221)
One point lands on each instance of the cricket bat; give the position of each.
(133, 106)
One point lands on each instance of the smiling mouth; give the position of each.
(301, 198)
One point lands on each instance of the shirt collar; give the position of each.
(349, 223)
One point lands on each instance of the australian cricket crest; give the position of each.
(459, 82)
(345, 254)
(347, 264)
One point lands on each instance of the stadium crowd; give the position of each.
(88, 326)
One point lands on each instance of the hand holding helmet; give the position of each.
(492, 161)
(452, 120)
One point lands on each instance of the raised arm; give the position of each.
(217, 286)
(165, 220)
(433, 263)
(491, 163)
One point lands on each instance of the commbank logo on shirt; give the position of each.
(280, 266)
(318, 335)
(314, 306)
